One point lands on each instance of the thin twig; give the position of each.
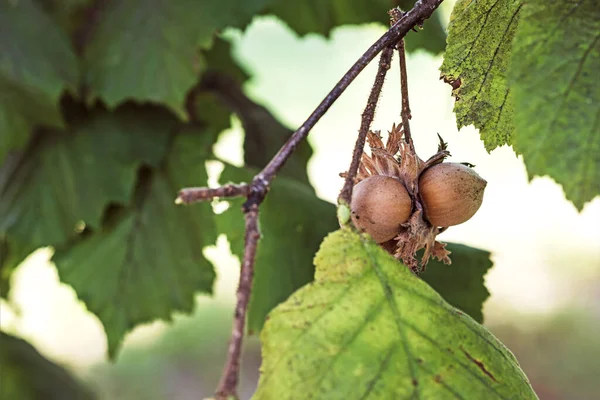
(365, 124)
(194, 195)
(405, 113)
(229, 379)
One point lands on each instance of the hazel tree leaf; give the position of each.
(12, 254)
(476, 62)
(67, 177)
(289, 239)
(146, 261)
(367, 328)
(321, 16)
(207, 105)
(36, 64)
(461, 284)
(69, 14)
(219, 58)
(554, 75)
(209, 111)
(148, 50)
(27, 375)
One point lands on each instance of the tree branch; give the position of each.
(194, 195)
(365, 124)
(405, 113)
(256, 191)
(229, 379)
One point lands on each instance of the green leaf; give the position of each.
(68, 177)
(554, 71)
(208, 110)
(219, 59)
(36, 65)
(69, 14)
(476, 60)
(368, 328)
(461, 284)
(148, 50)
(293, 221)
(321, 16)
(146, 262)
(27, 375)
(12, 254)
(207, 105)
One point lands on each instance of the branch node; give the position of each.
(197, 194)
(405, 112)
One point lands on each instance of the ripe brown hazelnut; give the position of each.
(451, 193)
(380, 204)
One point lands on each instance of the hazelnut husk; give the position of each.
(437, 195)
(380, 205)
(451, 193)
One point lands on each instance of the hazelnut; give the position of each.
(451, 193)
(380, 204)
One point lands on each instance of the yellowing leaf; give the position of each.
(476, 60)
(367, 328)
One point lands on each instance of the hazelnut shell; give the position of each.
(380, 204)
(451, 193)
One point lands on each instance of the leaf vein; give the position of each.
(382, 368)
(487, 14)
(491, 63)
(564, 97)
(314, 322)
(370, 316)
(387, 290)
(443, 383)
(453, 356)
(450, 311)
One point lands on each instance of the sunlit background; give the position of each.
(545, 284)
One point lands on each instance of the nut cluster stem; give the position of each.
(405, 113)
(365, 123)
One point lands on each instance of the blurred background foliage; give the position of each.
(261, 75)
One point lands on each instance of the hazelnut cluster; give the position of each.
(404, 202)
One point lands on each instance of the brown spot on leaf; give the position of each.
(454, 83)
(437, 379)
(479, 364)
